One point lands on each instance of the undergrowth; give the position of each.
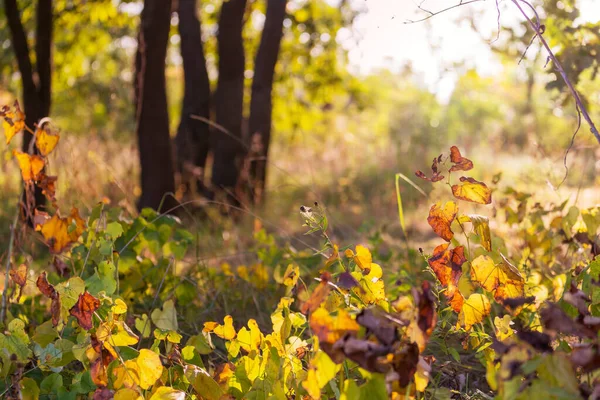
(127, 309)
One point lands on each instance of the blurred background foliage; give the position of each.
(339, 135)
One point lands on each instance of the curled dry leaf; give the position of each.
(377, 323)
(440, 219)
(447, 264)
(472, 190)
(460, 163)
(19, 275)
(318, 295)
(347, 281)
(435, 171)
(49, 291)
(84, 310)
(45, 141)
(48, 186)
(31, 165)
(13, 121)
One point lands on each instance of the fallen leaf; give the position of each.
(460, 163)
(45, 141)
(472, 190)
(31, 165)
(440, 218)
(84, 310)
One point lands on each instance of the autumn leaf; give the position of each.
(251, 338)
(61, 232)
(48, 186)
(504, 280)
(329, 329)
(447, 264)
(460, 163)
(472, 190)
(436, 173)
(49, 291)
(503, 327)
(225, 331)
(481, 225)
(291, 275)
(14, 122)
(474, 310)
(84, 310)
(19, 275)
(335, 256)
(31, 165)
(440, 218)
(150, 368)
(45, 141)
(318, 295)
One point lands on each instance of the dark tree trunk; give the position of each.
(37, 94)
(261, 101)
(151, 107)
(193, 135)
(228, 147)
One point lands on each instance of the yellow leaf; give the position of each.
(250, 339)
(482, 227)
(422, 375)
(335, 255)
(290, 277)
(13, 123)
(472, 190)
(31, 165)
(150, 368)
(474, 310)
(503, 280)
(119, 308)
(168, 393)
(329, 329)
(225, 331)
(440, 219)
(166, 319)
(128, 394)
(126, 375)
(321, 371)
(56, 234)
(45, 141)
(116, 333)
(311, 385)
(503, 329)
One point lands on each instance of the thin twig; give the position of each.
(537, 28)
(11, 241)
(433, 14)
(571, 145)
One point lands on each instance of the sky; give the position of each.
(381, 38)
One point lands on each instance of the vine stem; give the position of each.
(11, 241)
(537, 28)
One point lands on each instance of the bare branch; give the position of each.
(539, 28)
(433, 14)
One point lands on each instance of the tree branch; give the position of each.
(433, 14)
(538, 29)
(43, 46)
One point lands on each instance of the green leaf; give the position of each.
(51, 384)
(114, 229)
(143, 326)
(29, 389)
(16, 341)
(166, 319)
(103, 280)
(203, 383)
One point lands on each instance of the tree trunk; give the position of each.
(193, 135)
(37, 93)
(151, 107)
(261, 101)
(228, 147)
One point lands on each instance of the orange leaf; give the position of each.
(79, 223)
(48, 186)
(61, 232)
(440, 219)
(436, 173)
(31, 166)
(460, 163)
(19, 275)
(447, 266)
(318, 295)
(504, 280)
(45, 141)
(329, 329)
(472, 190)
(48, 290)
(84, 309)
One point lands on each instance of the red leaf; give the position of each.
(84, 310)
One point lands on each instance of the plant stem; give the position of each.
(559, 68)
(11, 241)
